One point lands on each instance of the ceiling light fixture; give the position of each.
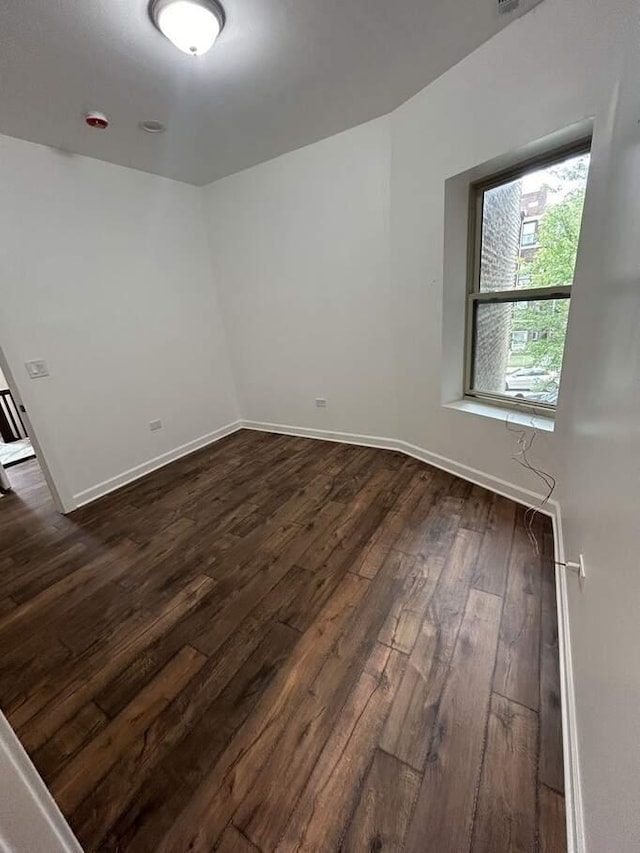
(192, 25)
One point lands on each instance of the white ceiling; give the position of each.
(284, 73)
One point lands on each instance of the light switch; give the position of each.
(37, 369)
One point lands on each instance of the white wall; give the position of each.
(600, 496)
(549, 70)
(331, 278)
(104, 272)
(301, 257)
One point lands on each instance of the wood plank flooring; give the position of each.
(285, 644)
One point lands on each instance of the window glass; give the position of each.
(529, 230)
(529, 233)
(518, 348)
(556, 195)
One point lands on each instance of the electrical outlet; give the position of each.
(321, 403)
(155, 425)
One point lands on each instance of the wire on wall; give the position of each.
(525, 442)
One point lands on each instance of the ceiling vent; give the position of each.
(507, 5)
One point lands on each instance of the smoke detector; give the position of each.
(97, 120)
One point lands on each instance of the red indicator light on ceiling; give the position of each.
(98, 120)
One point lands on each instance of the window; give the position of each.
(521, 274)
(529, 231)
(518, 341)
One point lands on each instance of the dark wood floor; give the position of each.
(279, 643)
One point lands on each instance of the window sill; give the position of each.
(504, 414)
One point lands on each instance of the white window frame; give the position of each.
(476, 297)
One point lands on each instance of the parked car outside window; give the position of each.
(529, 378)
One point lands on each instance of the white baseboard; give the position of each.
(473, 475)
(113, 483)
(29, 816)
(465, 472)
(572, 785)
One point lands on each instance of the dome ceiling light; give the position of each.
(192, 25)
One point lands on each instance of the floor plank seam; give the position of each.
(246, 838)
(487, 592)
(488, 710)
(516, 702)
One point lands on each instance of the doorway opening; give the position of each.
(20, 450)
(15, 443)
